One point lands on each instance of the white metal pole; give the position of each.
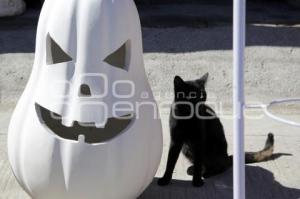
(239, 20)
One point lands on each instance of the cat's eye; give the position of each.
(120, 57)
(55, 54)
(180, 94)
(192, 95)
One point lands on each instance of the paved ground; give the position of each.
(272, 71)
(275, 179)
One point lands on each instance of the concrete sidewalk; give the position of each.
(276, 179)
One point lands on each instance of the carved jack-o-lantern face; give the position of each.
(91, 133)
(84, 130)
(79, 88)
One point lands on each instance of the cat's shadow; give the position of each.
(260, 184)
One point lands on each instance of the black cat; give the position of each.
(199, 134)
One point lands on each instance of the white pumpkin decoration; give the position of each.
(84, 126)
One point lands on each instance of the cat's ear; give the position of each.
(178, 81)
(203, 79)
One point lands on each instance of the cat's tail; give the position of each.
(260, 156)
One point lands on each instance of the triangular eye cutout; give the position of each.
(55, 53)
(118, 58)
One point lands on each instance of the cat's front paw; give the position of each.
(163, 181)
(198, 182)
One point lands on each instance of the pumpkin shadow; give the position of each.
(260, 184)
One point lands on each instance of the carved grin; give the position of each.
(92, 134)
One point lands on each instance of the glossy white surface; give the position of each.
(48, 166)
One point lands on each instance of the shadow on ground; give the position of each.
(260, 184)
(206, 27)
(217, 38)
(179, 40)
